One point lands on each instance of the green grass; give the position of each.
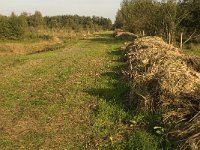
(71, 98)
(192, 49)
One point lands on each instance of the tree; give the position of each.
(138, 15)
(36, 20)
(167, 17)
(12, 27)
(119, 22)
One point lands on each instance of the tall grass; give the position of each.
(40, 40)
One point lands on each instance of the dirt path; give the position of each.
(65, 99)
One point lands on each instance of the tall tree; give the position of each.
(36, 20)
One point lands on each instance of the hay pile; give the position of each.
(56, 39)
(164, 79)
(125, 35)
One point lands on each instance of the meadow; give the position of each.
(69, 98)
(73, 95)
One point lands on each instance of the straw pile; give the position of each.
(125, 35)
(164, 79)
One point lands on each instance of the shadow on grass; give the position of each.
(114, 86)
(105, 39)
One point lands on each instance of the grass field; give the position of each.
(193, 47)
(70, 98)
(74, 97)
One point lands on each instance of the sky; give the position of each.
(105, 8)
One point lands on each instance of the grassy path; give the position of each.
(64, 99)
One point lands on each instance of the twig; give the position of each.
(190, 37)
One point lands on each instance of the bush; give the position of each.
(12, 27)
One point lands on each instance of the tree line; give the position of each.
(15, 27)
(168, 18)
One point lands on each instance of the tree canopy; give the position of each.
(14, 27)
(159, 17)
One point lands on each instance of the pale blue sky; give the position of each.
(105, 8)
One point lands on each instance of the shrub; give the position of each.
(12, 27)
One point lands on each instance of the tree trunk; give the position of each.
(181, 41)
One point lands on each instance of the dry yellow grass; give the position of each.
(28, 48)
(44, 40)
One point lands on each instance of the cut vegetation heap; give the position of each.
(165, 80)
(120, 34)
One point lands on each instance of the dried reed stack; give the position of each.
(165, 79)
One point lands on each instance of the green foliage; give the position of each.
(192, 22)
(138, 15)
(78, 23)
(160, 17)
(12, 27)
(15, 27)
(119, 22)
(36, 20)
